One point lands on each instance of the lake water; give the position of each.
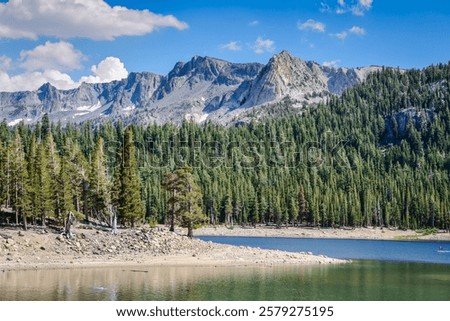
(360, 280)
(411, 251)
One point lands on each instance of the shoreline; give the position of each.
(323, 233)
(139, 248)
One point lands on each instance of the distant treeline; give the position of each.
(377, 156)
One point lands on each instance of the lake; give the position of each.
(404, 251)
(361, 280)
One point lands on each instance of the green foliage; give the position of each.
(99, 182)
(130, 207)
(186, 199)
(427, 231)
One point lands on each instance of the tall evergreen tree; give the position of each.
(99, 182)
(42, 185)
(131, 209)
(254, 210)
(170, 184)
(19, 184)
(188, 200)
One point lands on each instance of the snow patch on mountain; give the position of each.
(90, 108)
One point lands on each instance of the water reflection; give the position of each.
(357, 281)
(152, 283)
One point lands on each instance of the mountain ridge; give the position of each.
(199, 89)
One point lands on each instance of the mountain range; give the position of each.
(201, 89)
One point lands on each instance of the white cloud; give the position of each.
(341, 35)
(357, 11)
(262, 45)
(332, 63)
(33, 80)
(94, 19)
(232, 46)
(311, 24)
(356, 7)
(59, 56)
(324, 7)
(107, 70)
(366, 3)
(253, 23)
(357, 31)
(5, 63)
(361, 7)
(49, 62)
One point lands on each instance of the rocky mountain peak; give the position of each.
(283, 58)
(284, 75)
(204, 67)
(47, 92)
(47, 87)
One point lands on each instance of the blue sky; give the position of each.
(67, 42)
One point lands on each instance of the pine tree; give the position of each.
(32, 177)
(170, 184)
(254, 210)
(185, 199)
(188, 200)
(227, 210)
(45, 127)
(293, 211)
(73, 178)
(131, 209)
(53, 163)
(99, 182)
(66, 190)
(42, 185)
(302, 206)
(19, 183)
(263, 207)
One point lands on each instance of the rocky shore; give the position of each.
(44, 248)
(93, 246)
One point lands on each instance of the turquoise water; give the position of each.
(410, 251)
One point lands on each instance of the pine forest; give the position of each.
(379, 155)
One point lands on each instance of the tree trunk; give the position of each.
(25, 225)
(114, 228)
(17, 211)
(113, 220)
(172, 223)
(172, 216)
(43, 220)
(69, 222)
(85, 200)
(190, 231)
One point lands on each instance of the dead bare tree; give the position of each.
(69, 222)
(113, 218)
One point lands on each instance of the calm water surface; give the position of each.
(360, 280)
(410, 251)
(364, 280)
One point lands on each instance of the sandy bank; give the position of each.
(357, 233)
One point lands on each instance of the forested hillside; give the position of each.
(377, 155)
